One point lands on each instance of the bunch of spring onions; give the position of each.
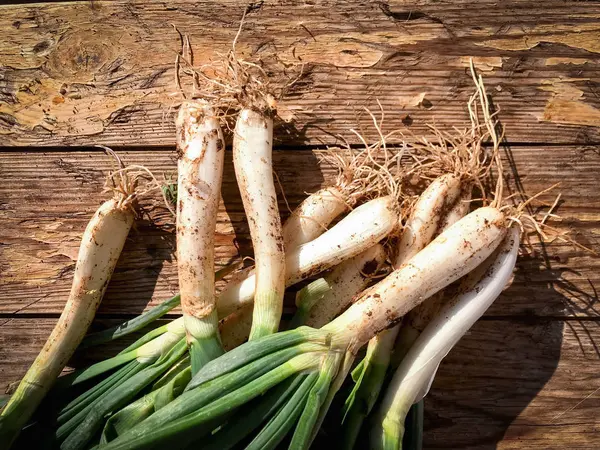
(287, 380)
(311, 359)
(227, 374)
(151, 357)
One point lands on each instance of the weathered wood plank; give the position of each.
(515, 385)
(508, 383)
(103, 72)
(47, 199)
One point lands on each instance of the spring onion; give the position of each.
(200, 168)
(359, 230)
(415, 374)
(252, 159)
(101, 245)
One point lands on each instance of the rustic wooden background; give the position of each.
(75, 74)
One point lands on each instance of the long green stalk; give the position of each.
(279, 426)
(81, 435)
(253, 415)
(368, 381)
(83, 403)
(306, 298)
(252, 351)
(190, 411)
(131, 326)
(303, 434)
(149, 351)
(164, 392)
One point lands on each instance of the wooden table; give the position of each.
(76, 74)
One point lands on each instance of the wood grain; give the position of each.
(516, 385)
(103, 71)
(509, 383)
(48, 198)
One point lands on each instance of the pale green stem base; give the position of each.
(306, 298)
(203, 340)
(393, 426)
(266, 314)
(413, 439)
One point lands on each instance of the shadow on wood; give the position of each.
(485, 384)
(484, 387)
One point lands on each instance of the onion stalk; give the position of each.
(414, 376)
(200, 169)
(359, 176)
(101, 246)
(313, 216)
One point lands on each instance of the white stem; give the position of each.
(426, 216)
(252, 158)
(101, 245)
(200, 170)
(414, 375)
(419, 230)
(313, 216)
(420, 316)
(459, 209)
(345, 281)
(454, 253)
(359, 230)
